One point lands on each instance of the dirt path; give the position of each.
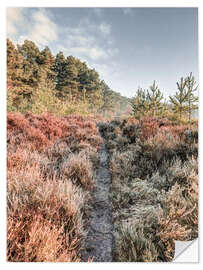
(99, 242)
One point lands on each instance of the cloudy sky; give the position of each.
(129, 47)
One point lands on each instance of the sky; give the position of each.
(129, 47)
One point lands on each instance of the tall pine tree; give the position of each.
(154, 99)
(46, 65)
(71, 79)
(139, 103)
(192, 99)
(179, 100)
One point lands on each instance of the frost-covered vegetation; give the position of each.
(55, 106)
(154, 171)
(51, 171)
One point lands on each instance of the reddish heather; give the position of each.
(151, 126)
(41, 131)
(45, 210)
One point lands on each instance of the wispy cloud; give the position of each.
(89, 40)
(91, 53)
(105, 28)
(127, 11)
(97, 11)
(42, 30)
(15, 18)
(36, 26)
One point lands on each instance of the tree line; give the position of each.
(39, 81)
(180, 106)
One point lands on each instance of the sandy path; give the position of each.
(99, 242)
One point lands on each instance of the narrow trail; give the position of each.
(100, 239)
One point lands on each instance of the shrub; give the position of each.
(48, 198)
(154, 187)
(78, 168)
(55, 202)
(133, 246)
(43, 243)
(149, 127)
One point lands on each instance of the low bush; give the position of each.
(78, 168)
(50, 171)
(133, 246)
(153, 164)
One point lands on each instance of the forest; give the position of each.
(75, 148)
(39, 82)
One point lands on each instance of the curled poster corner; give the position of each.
(186, 251)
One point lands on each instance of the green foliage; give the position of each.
(192, 100)
(38, 82)
(154, 99)
(108, 99)
(14, 65)
(148, 102)
(180, 108)
(179, 99)
(185, 101)
(139, 103)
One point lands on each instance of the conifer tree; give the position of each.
(66, 76)
(59, 69)
(192, 100)
(31, 71)
(46, 65)
(163, 111)
(139, 103)
(108, 99)
(26, 76)
(179, 100)
(33, 74)
(82, 75)
(93, 89)
(14, 65)
(154, 99)
(70, 81)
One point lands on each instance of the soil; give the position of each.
(100, 240)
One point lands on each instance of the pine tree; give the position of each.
(139, 103)
(14, 65)
(66, 76)
(163, 111)
(36, 77)
(59, 69)
(46, 65)
(93, 88)
(154, 99)
(179, 100)
(31, 61)
(71, 82)
(192, 100)
(108, 103)
(82, 74)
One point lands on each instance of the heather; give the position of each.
(154, 170)
(50, 172)
(93, 175)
